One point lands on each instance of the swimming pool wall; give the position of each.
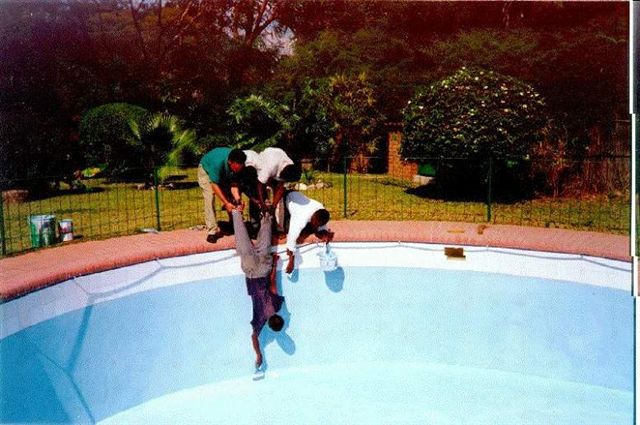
(104, 286)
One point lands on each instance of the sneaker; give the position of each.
(213, 238)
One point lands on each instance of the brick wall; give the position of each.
(397, 167)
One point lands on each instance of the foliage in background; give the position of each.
(310, 129)
(562, 64)
(258, 122)
(336, 116)
(552, 174)
(162, 143)
(349, 105)
(207, 143)
(473, 114)
(107, 140)
(193, 58)
(29, 154)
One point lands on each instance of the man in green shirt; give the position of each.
(217, 175)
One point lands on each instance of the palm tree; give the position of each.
(162, 143)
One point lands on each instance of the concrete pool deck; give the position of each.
(25, 273)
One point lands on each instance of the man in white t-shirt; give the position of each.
(252, 158)
(275, 168)
(307, 217)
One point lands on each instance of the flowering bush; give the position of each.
(473, 114)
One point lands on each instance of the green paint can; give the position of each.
(43, 230)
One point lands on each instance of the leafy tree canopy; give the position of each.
(473, 113)
(259, 122)
(107, 139)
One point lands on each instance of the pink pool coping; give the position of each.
(28, 272)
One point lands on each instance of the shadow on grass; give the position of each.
(506, 194)
(42, 195)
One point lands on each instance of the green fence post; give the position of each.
(489, 178)
(2, 234)
(344, 185)
(157, 193)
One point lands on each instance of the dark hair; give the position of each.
(238, 156)
(276, 322)
(322, 215)
(291, 173)
(249, 173)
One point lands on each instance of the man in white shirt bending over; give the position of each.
(275, 168)
(307, 217)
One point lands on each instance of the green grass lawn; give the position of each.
(375, 197)
(114, 209)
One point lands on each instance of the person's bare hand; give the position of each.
(326, 236)
(290, 265)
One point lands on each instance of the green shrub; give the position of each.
(474, 115)
(106, 137)
(162, 144)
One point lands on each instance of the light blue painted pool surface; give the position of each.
(362, 345)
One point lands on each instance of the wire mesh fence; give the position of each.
(585, 195)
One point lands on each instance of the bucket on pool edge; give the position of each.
(65, 229)
(328, 259)
(43, 230)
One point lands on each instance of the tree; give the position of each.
(334, 117)
(39, 61)
(473, 115)
(591, 90)
(161, 143)
(249, 20)
(402, 45)
(107, 140)
(312, 129)
(392, 67)
(349, 103)
(258, 122)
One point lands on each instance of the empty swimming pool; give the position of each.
(397, 334)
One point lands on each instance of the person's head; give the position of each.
(276, 322)
(319, 218)
(249, 174)
(291, 173)
(236, 160)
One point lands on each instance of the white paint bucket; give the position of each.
(65, 228)
(328, 259)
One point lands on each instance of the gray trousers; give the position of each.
(209, 201)
(255, 261)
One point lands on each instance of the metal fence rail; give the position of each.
(448, 190)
